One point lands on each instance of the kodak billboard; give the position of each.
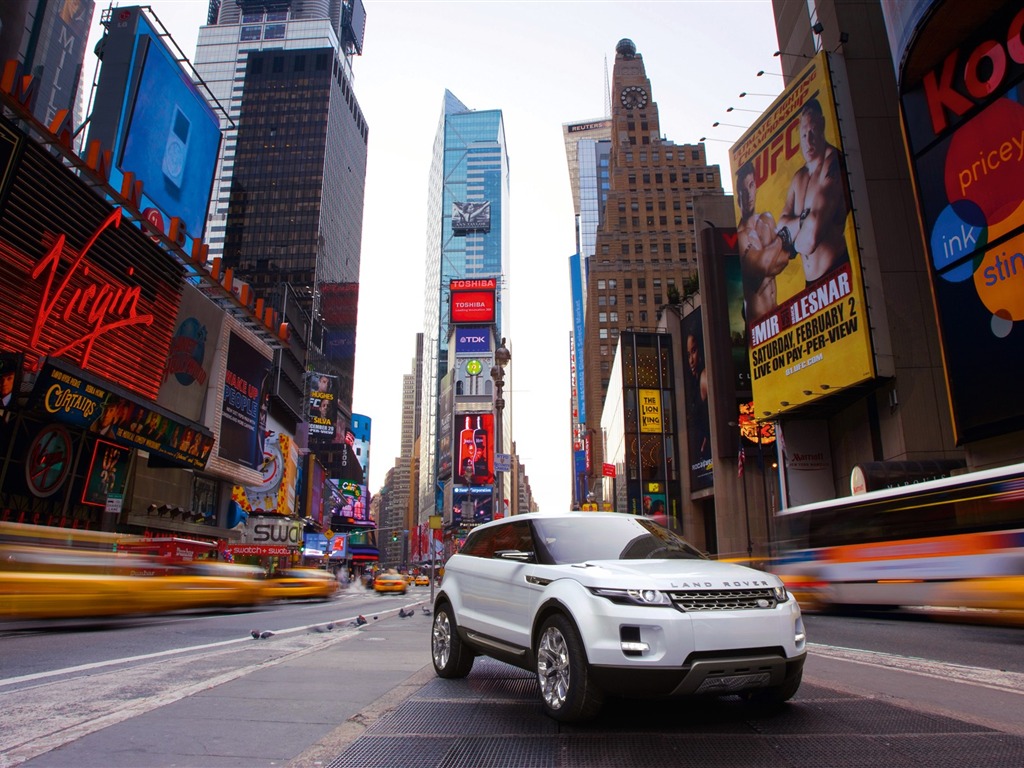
(962, 100)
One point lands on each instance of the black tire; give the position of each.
(450, 655)
(567, 689)
(773, 698)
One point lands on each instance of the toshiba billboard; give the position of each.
(472, 301)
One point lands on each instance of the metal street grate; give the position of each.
(394, 752)
(500, 753)
(483, 688)
(440, 717)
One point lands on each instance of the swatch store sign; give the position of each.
(268, 536)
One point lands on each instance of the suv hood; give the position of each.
(669, 574)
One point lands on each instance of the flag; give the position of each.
(739, 463)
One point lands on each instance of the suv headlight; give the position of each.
(781, 595)
(634, 596)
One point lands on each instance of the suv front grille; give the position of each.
(723, 599)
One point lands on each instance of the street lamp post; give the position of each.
(741, 471)
(467, 500)
(501, 359)
(764, 487)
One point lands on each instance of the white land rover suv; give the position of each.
(602, 602)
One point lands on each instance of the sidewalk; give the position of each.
(324, 696)
(406, 644)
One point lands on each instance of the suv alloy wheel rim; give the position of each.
(442, 640)
(553, 667)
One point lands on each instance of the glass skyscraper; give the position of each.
(587, 151)
(287, 206)
(469, 165)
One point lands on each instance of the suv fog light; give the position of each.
(630, 642)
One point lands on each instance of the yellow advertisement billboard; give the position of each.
(803, 292)
(650, 410)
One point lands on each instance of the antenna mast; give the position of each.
(607, 90)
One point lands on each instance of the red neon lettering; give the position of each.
(94, 303)
(939, 93)
(1014, 39)
(938, 88)
(994, 52)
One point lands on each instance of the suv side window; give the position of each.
(517, 536)
(513, 535)
(479, 543)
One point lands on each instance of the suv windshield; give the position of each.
(579, 539)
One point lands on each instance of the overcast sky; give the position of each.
(543, 63)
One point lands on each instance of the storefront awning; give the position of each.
(70, 395)
(361, 553)
(158, 525)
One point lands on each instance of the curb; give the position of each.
(333, 744)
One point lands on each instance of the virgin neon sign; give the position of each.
(102, 306)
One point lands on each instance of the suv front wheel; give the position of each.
(567, 691)
(450, 655)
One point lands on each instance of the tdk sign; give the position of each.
(473, 339)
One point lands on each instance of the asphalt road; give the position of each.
(198, 690)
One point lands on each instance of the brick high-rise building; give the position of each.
(645, 249)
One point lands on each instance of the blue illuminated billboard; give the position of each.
(156, 121)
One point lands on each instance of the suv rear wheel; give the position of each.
(450, 655)
(567, 691)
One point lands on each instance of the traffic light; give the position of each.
(394, 536)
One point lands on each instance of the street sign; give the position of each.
(114, 503)
(503, 462)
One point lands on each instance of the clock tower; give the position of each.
(644, 252)
(633, 111)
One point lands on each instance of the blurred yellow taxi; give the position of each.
(46, 583)
(422, 580)
(301, 584)
(390, 582)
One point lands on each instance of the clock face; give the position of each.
(272, 469)
(633, 97)
(265, 497)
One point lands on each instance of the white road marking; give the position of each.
(996, 679)
(338, 623)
